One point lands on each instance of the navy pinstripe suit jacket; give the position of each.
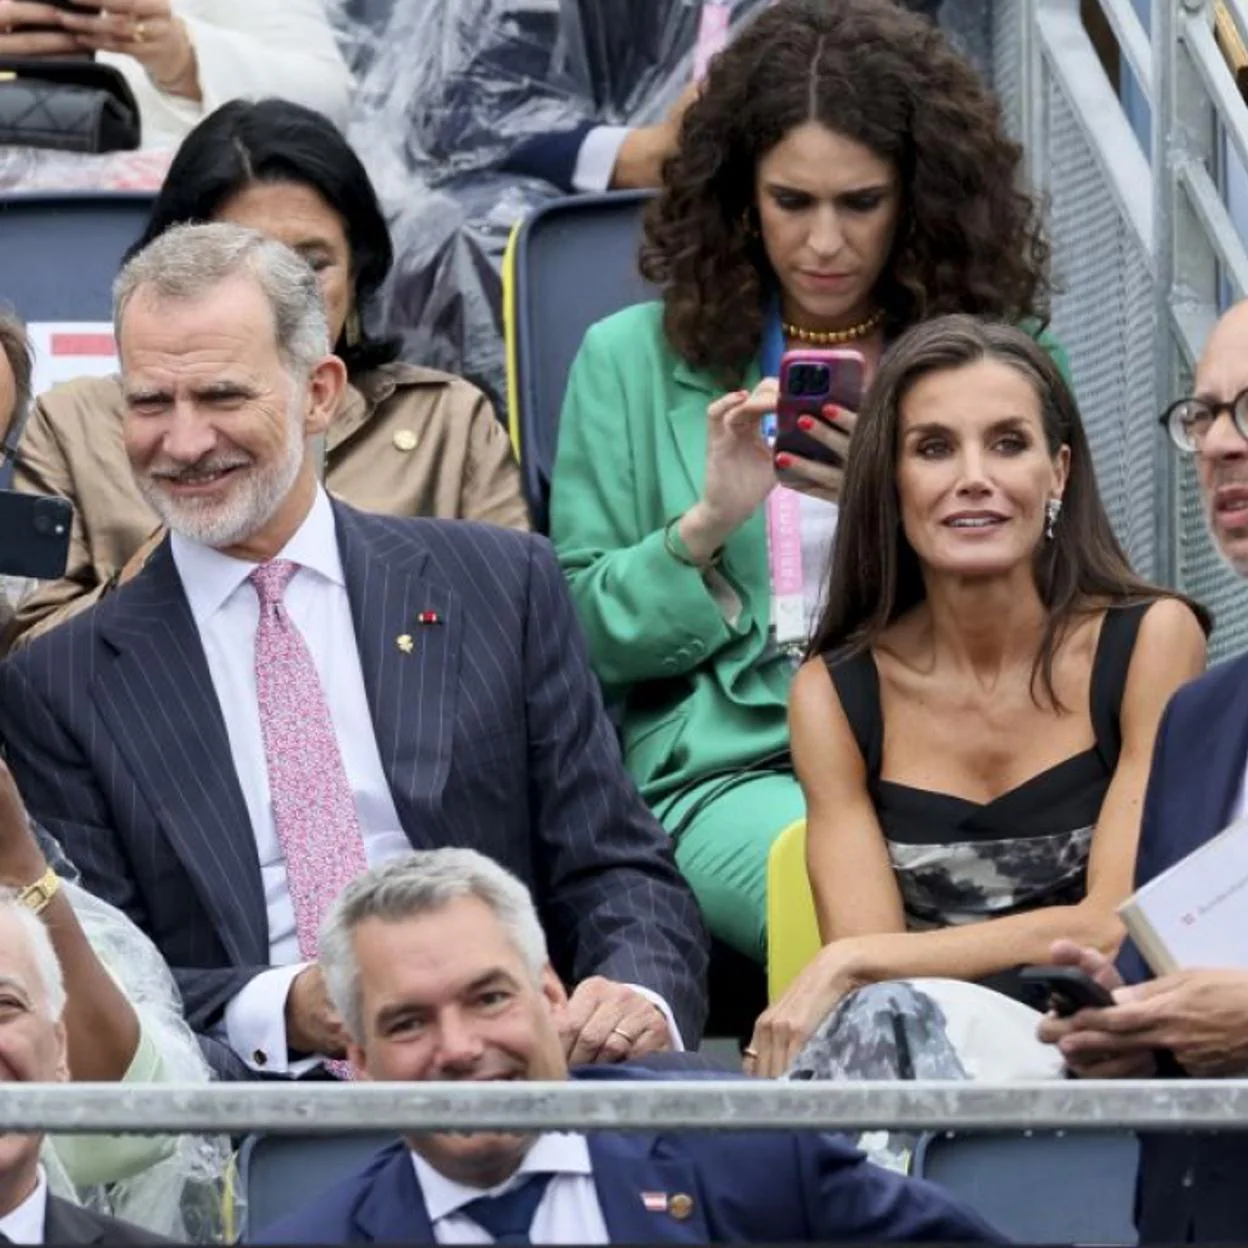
(491, 731)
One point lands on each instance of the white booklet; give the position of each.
(1196, 913)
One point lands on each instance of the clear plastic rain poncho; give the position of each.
(448, 89)
(173, 1185)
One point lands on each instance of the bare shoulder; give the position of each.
(1169, 622)
(814, 703)
(1170, 650)
(822, 740)
(812, 694)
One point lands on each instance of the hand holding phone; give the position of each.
(811, 381)
(1063, 990)
(31, 28)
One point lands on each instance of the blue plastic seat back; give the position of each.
(280, 1174)
(575, 263)
(59, 252)
(1040, 1187)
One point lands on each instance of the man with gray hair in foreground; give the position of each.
(292, 690)
(33, 1050)
(437, 963)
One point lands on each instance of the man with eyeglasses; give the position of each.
(1195, 1022)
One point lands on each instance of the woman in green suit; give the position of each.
(842, 175)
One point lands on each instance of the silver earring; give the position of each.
(1052, 509)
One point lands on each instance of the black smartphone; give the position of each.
(1063, 989)
(34, 535)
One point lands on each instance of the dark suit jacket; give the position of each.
(491, 731)
(1191, 1187)
(745, 1186)
(65, 1223)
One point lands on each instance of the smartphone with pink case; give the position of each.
(810, 379)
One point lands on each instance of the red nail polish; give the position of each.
(805, 423)
(784, 461)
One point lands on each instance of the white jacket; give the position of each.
(246, 49)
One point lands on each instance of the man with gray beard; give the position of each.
(1194, 1022)
(291, 691)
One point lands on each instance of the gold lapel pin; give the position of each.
(680, 1206)
(404, 642)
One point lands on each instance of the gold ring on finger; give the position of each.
(619, 1031)
(140, 31)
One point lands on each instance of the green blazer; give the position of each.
(702, 688)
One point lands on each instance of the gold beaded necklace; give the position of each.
(834, 337)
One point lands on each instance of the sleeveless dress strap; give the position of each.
(1109, 677)
(858, 686)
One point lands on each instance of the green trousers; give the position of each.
(722, 850)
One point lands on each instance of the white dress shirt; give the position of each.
(569, 1212)
(227, 613)
(596, 157)
(25, 1224)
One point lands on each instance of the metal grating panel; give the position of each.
(1203, 574)
(1104, 315)
(1007, 63)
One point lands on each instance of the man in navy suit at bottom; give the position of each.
(437, 963)
(1191, 1187)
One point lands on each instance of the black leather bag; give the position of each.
(66, 105)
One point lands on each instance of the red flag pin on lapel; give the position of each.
(428, 617)
(654, 1202)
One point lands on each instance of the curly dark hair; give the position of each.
(968, 239)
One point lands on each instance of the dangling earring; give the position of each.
(748, 224)
(1052, 509)
(351, 330)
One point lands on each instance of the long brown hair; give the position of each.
(968, 239)
(876, 576)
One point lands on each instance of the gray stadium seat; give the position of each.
(59, 251)
(575, 263)
(1040, 1187)
(278, 1174)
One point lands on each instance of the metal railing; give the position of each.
(1084, 158)
(729, 1105)
(1145, 249)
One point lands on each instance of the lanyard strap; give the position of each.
(712, 34)
(784, 521)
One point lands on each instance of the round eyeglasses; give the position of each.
(1189, 420)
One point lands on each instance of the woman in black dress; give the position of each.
(973, 725)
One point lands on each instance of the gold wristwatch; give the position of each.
(37, 895)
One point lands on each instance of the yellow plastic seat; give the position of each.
(792, 929)
(509, 340)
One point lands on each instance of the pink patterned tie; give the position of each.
(313, 808)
